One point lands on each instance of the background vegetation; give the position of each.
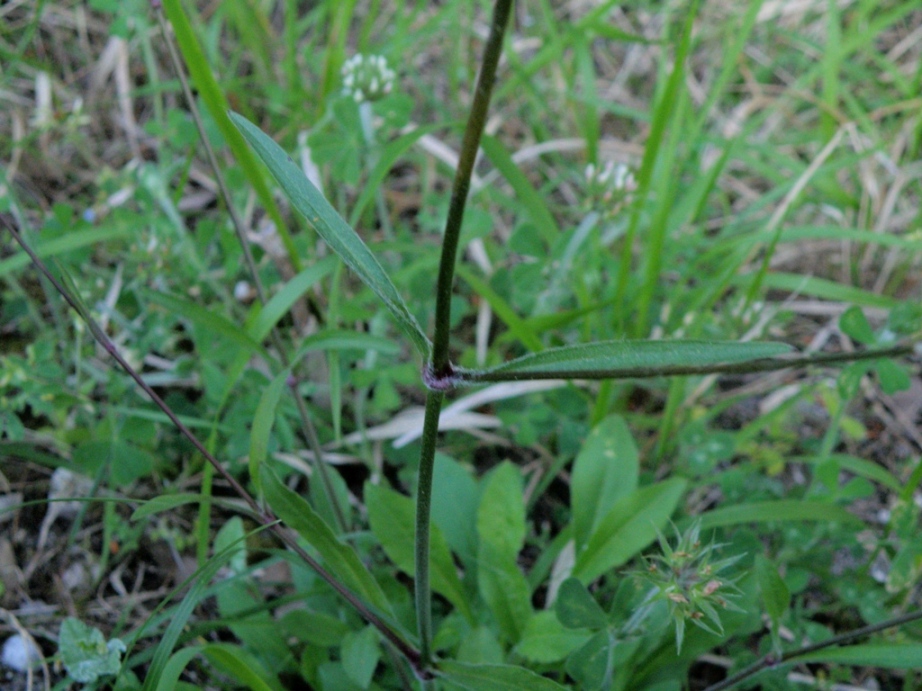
(650, 170)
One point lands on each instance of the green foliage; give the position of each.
(581, 264)
(85, 652)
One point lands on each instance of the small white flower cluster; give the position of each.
(367, 78)
(615, 176)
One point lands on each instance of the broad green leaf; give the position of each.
(576, 608)
(339, 558)
(546, 640)
(635, 358)
(311, 204)
(392, 519)
(206, 319)
(455, 497)
(855, 325)
(480, 646)
(630, 525)
(771, 511)
(501, 534)
(893, 656)
(605, 470)
(494, 677)
(501, 516)
(318, 628)
(893, 377)
(360, 654)
(775, 594)
(592, 664)
(263, 318)
(263, 420)
(85, 652)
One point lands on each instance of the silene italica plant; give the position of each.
(615, 518)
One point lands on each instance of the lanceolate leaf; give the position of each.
(311, 204)
(494, 678)
(614, 359)
(781, 510)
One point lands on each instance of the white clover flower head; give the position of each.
(367, 78)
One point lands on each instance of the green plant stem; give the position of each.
(774, 660)
(462, 183)
(439, 369)
(423, 510)
(471, 377)
(307, 426)
(265, 517)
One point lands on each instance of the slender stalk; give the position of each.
(307, 426)
(774, 660)
(423, 510)
(265, 517)
(462, 183)
(471, 377)
(438, 375)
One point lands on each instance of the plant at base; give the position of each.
(687, 579)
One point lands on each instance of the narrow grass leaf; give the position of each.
(388, 157)
(338, 557)
(630, 525)
(261, 321)
(213, 97)
(62, 245)
(391, 516)
(892, 656)
(822, 288)
(632, 358)
(238, 663)
(311, 204)
(170, 501)
(180, 616)
(494, 677)
(336, 340)
(773, 511)
(263, 420)
(517, 326)
(206, 319)
(531, 202)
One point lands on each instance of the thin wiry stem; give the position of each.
(774, 660)
(265, 517)
(307, 426)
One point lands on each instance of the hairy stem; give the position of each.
(439, 371)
